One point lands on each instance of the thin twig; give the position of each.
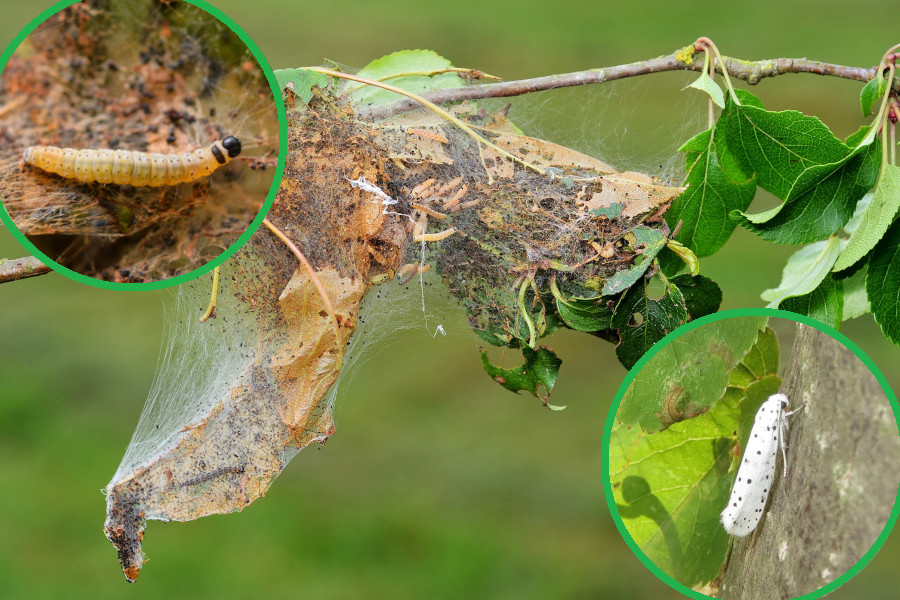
(21, 268)
(750, 71)
(329, 307)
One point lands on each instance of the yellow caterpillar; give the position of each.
(140, 169)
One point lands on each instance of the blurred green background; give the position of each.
(439, 483)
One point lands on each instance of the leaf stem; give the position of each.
(532, 333)
(329, 307)
(214, 294)
(438, 110)
(707, 44)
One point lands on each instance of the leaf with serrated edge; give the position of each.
(876, 219)
(883, 283)
(825, 303)
(861, 207)
(777, 146)
(805, 270)
(822, 200)
(712, 194)
(658, 317)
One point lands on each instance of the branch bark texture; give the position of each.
(842, 477)
(21, 268)
(750, 71)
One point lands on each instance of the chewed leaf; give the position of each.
(687, 376)
(539, 371)
(805, 270)
(642, 321)
(646, 243)
(301, 82)
(672, 444)
(702, 296)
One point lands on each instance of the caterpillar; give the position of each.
(127, 167)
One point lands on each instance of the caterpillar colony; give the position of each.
(127, 167)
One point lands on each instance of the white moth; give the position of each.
(757, 471)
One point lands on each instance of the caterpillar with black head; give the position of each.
(128, 167)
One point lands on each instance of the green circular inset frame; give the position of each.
(242, 239)
(632, 374)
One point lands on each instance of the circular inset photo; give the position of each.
(753, 454)
(141, 140)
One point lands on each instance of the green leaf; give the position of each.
(583, 314)
(610, 212)
(875, 220)
(646, 242)
(763, 358)
(821, 201)
(686, 255)
(404, 61)
(540, 370)
(704, 83)
(746, 98)
(825, 303)
(871, 93)
(804, 271)
(777, 146)
(669, 488)
(642, 321)
(670, 485)
(856, 299)
(714, 191)
(687, 376)
(702, 295)
(883, 283)
(301, 82)
(861, 207)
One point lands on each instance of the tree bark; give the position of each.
(842, 477)
(21, 268)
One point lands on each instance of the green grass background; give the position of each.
(438, 483)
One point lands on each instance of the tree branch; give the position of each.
(750, 71)
(21, 268)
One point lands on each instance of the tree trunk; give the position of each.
(842, 477)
